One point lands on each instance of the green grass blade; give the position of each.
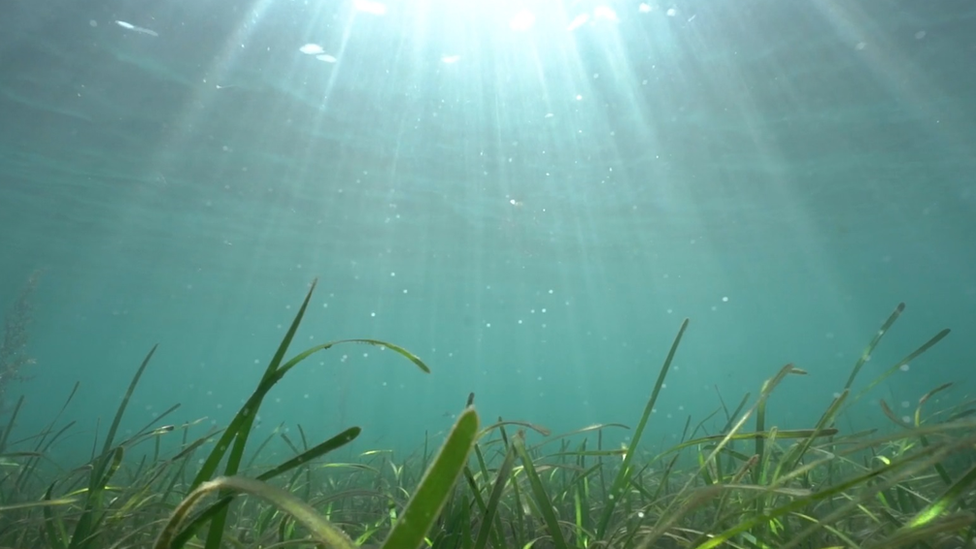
(436, 485)
(491, 509)
(82, 536)
(234, 439)
(347, 436)
(946, 501)
(322, 530)
(539, 492)
(866, 355)
(245, 416)
(805, 501)
(623, 474)
(912, 356)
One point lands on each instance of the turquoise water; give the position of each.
(529, 200)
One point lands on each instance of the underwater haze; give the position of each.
(529, 196)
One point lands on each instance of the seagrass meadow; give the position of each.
(733, 480)
(487, 274)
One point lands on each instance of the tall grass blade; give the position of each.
(82, 537)
(436, 485)
(622, 478)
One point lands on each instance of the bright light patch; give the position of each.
(644, 8)
(450, 59)
(522, 21)
(311, 49)
(606, 13)
(134, 28)
(578, 21)
(326, 57)
(369, 6)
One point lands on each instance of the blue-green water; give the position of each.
(530, 204)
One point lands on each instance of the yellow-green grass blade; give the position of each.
(584, 430)
(950, 498)
(767, 389)
(313, 453)
(436, 485)
(808, 499)
(500, 424)
(788, 434)
(929, 531)
(322, 530)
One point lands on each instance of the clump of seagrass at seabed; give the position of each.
(13, 346)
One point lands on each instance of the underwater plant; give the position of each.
(733, 480)
(13, 346)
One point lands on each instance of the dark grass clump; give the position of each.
(734, 480)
